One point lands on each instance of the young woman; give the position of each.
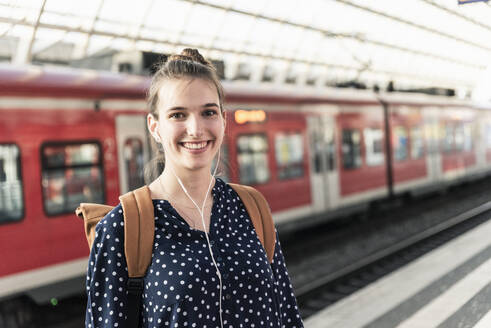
(208, 266)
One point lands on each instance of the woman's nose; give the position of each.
(194, 126)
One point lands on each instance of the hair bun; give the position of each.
(190, 54)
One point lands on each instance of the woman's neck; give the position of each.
(196, 184)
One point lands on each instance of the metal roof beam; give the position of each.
(464, 17)
(215, 37)
(232, 51)
(186, 21)
(24, 49)
(358, 37)
(325, 32)
(85, 47)
(141, 24)
(422, 27)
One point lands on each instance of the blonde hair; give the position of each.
(189, 64)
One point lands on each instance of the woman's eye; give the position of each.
(210, 112)
(176, 115)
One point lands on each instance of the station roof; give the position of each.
(418, 43)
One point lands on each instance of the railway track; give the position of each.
(327, 289)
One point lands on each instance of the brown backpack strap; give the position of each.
(258, 209)
(91, 214)
(139, 226)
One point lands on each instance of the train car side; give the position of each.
(70, 137)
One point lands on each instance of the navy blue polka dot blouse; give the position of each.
(181, 285)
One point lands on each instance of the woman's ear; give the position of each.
(152, 125)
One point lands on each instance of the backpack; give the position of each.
(139, 231)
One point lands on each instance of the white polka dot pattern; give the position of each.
(181, 285)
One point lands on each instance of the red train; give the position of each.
(70, 136)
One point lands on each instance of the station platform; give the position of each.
(448, 287)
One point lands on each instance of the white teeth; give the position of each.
(192, 145)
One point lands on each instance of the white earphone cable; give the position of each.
(201, 212)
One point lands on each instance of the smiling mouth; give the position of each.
(195, 145)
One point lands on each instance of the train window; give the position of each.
(289, 155)
(400, 143)
(133, 159)
(317, 146)
(71, 174)
(448, 138)
(459, 137)
(323, 147)
(351, 149)
(252, 156)
(488, 135)
(374, 146)
(432, 132)
(468, 136)
(11, 199)
(417, 142)
(331, 149)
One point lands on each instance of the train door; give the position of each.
(480, 125)
(323, 174)
(432, 134)
(332, 173)
(133, 150)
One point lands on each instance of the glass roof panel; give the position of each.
(74, 9)
(75, 37)
(413, 40)
(288, 43)
(60, 19)
(114, 27)
(249, 6)
(280, 9)
(158, 34)
(145, 45)
(98, 43)
(225, 3)
(45, 37)
(304, 14)
(204, 23)
(4, 28)
(309, 45)
(236, 29)
(449, 26)
(27, 10)
(169, 15)
(121, 44)
(297, 12)
(226, 45)
(339, 18)
(478, 11)
(263, 35)
(132, 11)
(425, 14)
(20, 31)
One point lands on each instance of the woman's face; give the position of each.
(191, 125)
